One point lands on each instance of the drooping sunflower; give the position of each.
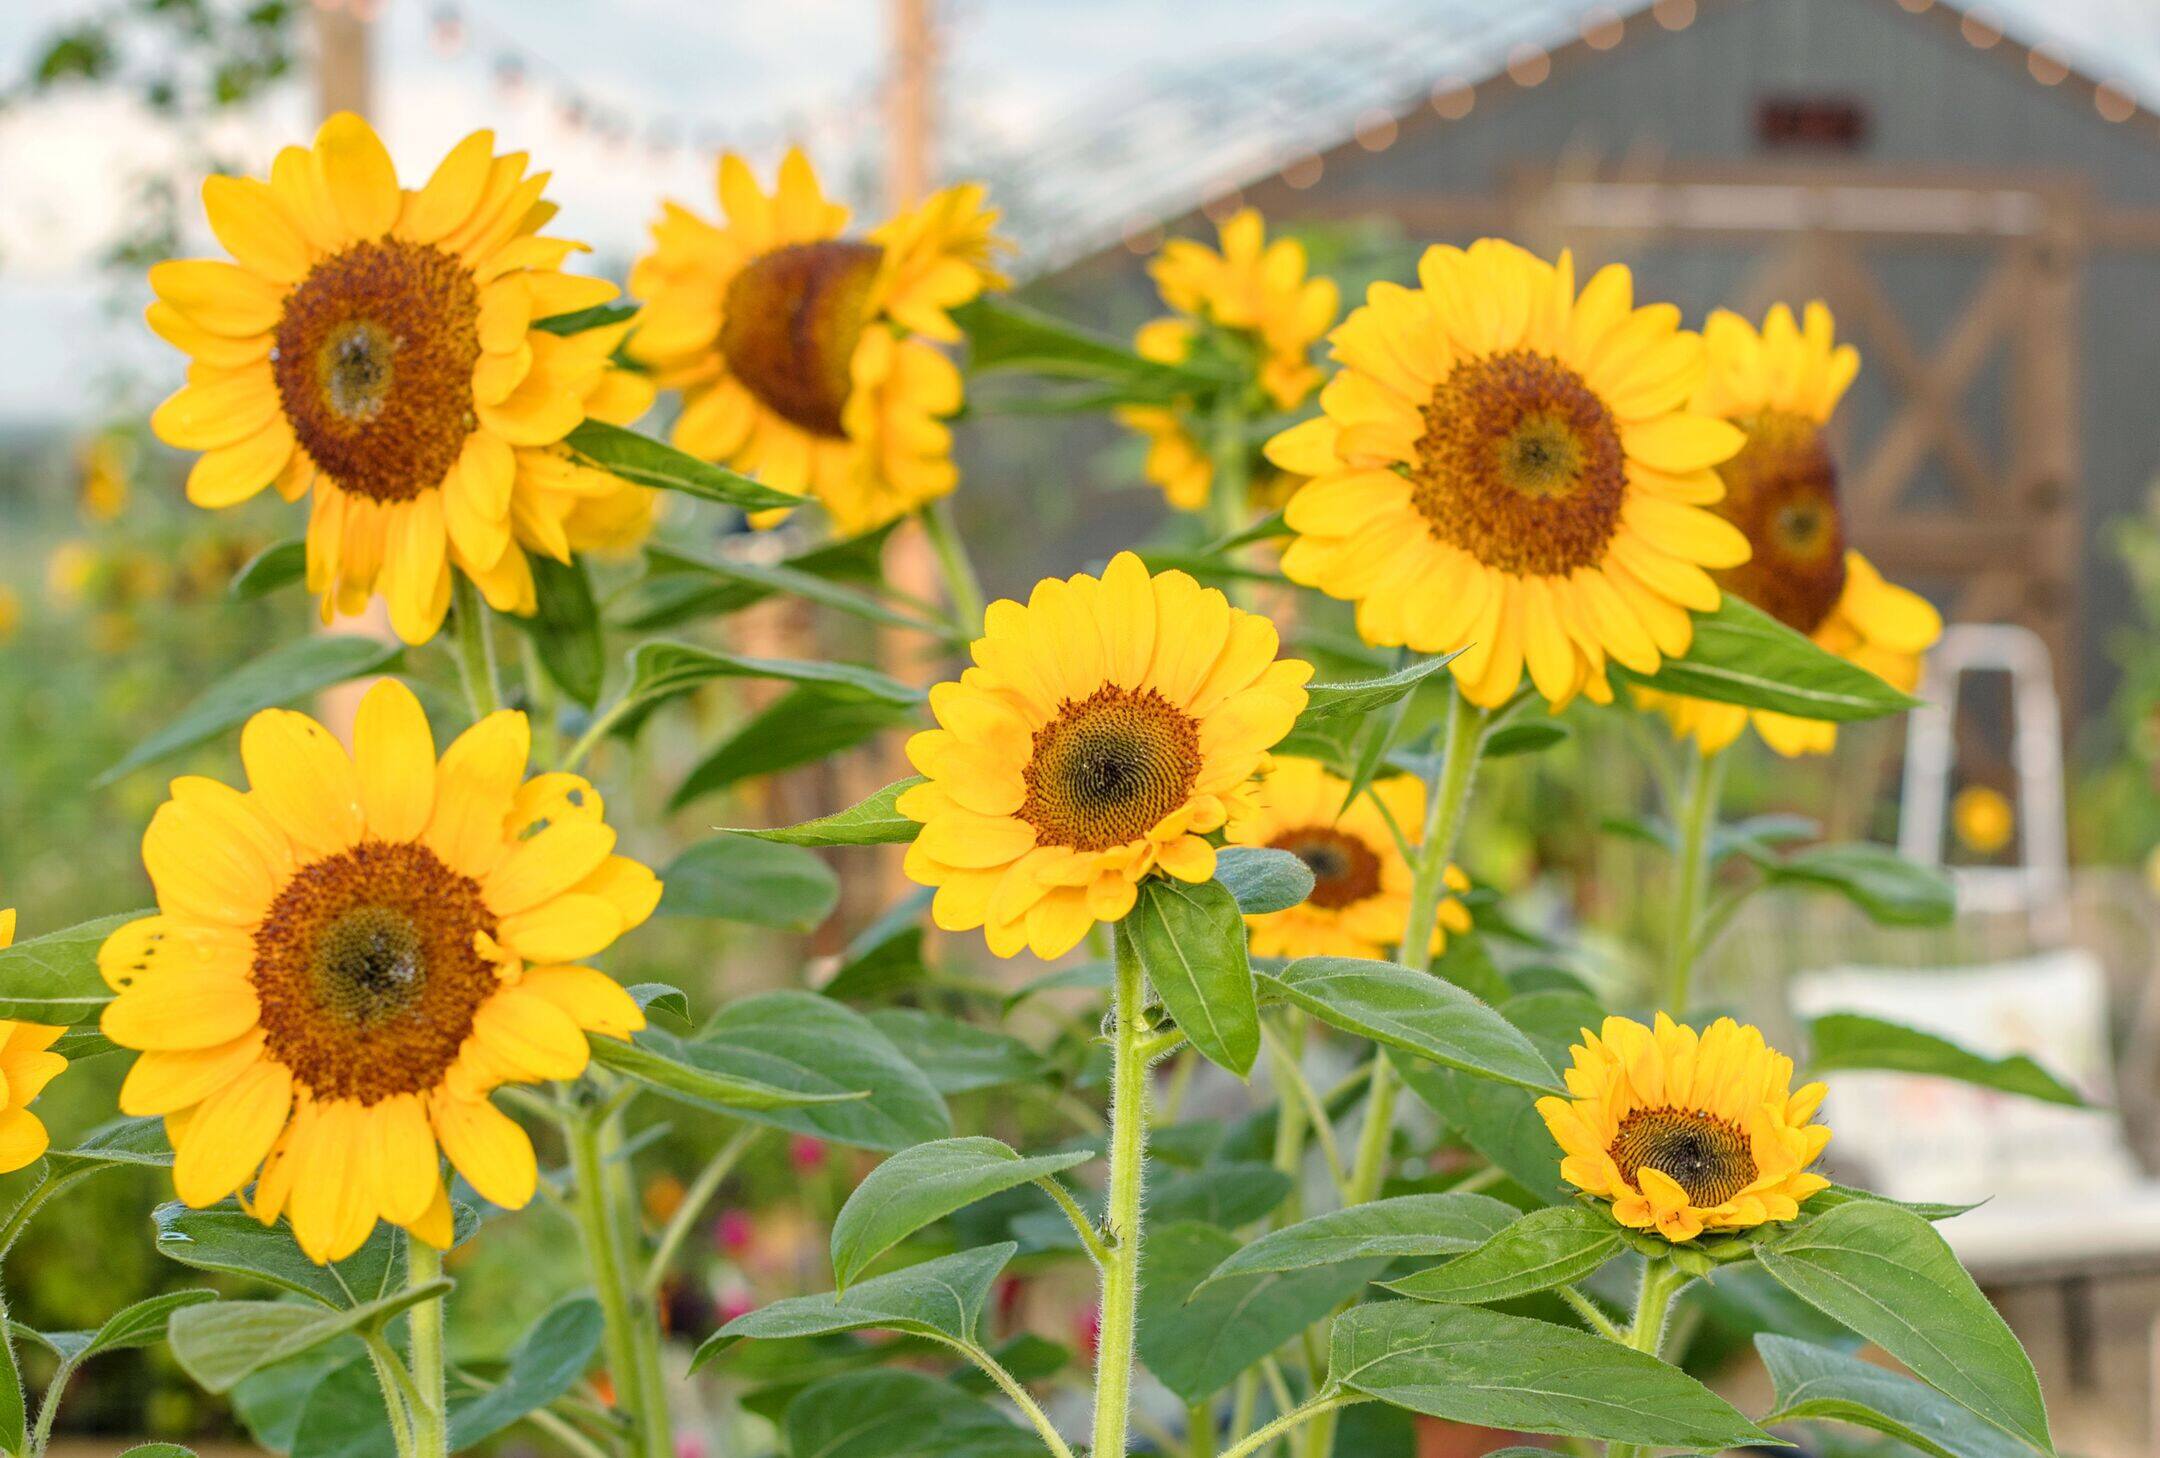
(1686, 1133)
(381, 348)
(806, 357)
(1104, 729)
(1257, 293)
(1505, 464)
(1360, 899)
(350, 955)
(27, 1064)
(1781, 386)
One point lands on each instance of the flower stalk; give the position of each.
(1698, 817)
(1114, 1354)
(475, 648)
(430, 1414)
(632, 1340)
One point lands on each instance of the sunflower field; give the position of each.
(649, 962)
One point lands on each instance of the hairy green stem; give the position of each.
(431, 1408)
(593, 1135)
(1021, 1398)
(1661, 1281)
(962, 587)
(1322, 1403)
(1128, 1147)
(1697, 817)
(475, 648)
(398, 1392)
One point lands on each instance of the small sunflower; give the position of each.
(1505, 464)
(350, 955)
(1685, 1133)
(1361, 884)
(1104, 729)
(806, 357)
(1780, 386)
(1257, 293)
(381, 347)
(27, 1064)
(1983, 819)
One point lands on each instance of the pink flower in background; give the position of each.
(734, 1231)
(1087, 1326)
(735, 1301)
(806, 1154)
(690, 1445)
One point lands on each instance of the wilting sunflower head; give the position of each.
(803, 356)
(381, 347)
(1105, 728)
(1360, 899)
(1506, 464)
(27, 1064)
(1780, 386)
(1684, 1132)
(351, 954)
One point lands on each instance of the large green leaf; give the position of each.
(1407, 1225)
(1262, 879)
(1417, 1013)
(54, 978)
(1889, 889)
(1555, 1246)
(872, 821)
(942, 1298)
(899, 1414)
(1196, 1338)
(565, 629)
(342, 1415)
(279, 565)
(957, 1057)
(922, 1185)
(1742, 655)
(14, 1408)
(691, 1073)
(736, 878)
(139, 1142)
(1821, 1385)
(1854, 1040)
(664, 670)
(1324, 701)
(1477, 1366)
(802, 726)
(287, 673)
(229, 1240)
(1884, 1272)
(1191, 942)
(141, 1324)
(547, 1360)
(798, 1040)
(1003, 335)
(220, 1343)
(647, 462)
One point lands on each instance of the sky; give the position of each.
(743, 72)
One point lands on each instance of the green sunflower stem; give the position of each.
(1661, 1281)
(1698, 817)
(1230, 489)
(962, 587)
(1114, 1355)
(475, 648)
(430, 1408)
(632, 1338)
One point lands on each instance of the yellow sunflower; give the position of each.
(1361, 884)
(1780, 386)
(1104, 729)
(350, 955)
(806, 357)
(27, 1064)
(1258, 293)
(380, 347)
(1508, 465)
(1685, 1133)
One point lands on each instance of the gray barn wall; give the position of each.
(1046, 492)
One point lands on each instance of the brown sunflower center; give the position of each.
(1520, 465)
(374, 361)
(1108, 767)
(367, 973)
(1781, 490)
(1702, 1154)
(790, 323)
(1344, 868)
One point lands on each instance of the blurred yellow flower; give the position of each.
(27, 1064)
(1982, 819)
(69, 567)
(11, 613)
(107, 461)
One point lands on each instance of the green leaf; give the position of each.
(1325, 701)
(287, 673)
(1417, 1013)
(342, 1415)
(921, 1186)
(900, 1415)
(647, 462)
(565, 630)
(1830, 1197)
(940, 1298)
(142, 1324)
(1884, 1272)
(1816, 1384)
(1405, 1226)
(1530, 737)
(139, 1142)
(885, 956)
(958, 1057)
(687, 584)
(798, 1040)
(1225, 1195)
(279, 565)
(1196, 1338)
(665, 670)
(1191, 942)
(226, 1239)
(54, 978)
(273, 1403)
(1472, 1365)
(1854, 1040)
(1742, 655)
(872, 821)
(14, 1409)
(1467, 962)
(736, 878)
(677, 1068)
(1890, 889)
(158, 1450)
(577, 321)
(1005, 336)
(1262, 879)
(220, 1343)
(1545, 1248)
(546, 1362)
(803, 726)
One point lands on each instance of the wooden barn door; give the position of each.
(1964, 478)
